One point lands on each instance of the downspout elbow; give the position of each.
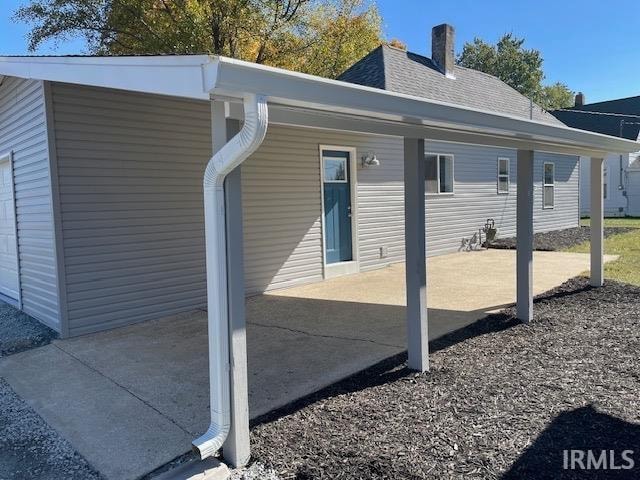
(231, 155)
(242, 145)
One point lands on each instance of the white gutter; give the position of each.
(221, 164)
(228, 77)
(198, 76)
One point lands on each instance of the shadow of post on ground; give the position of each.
(582, 444)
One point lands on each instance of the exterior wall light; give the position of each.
(370, 160)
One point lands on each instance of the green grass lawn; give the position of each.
(627, 268)
(615, 222)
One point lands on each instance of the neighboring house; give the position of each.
(620, 118)
(108, 227)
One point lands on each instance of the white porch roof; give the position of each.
(307, 100)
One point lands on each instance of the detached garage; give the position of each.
(26, 215)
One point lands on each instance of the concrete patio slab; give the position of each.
(116, 432)
(135, 397)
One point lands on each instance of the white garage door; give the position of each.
(9, 284)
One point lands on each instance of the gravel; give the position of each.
(558, 239)
(255, 471)
(502, 400)
(30, 449)
(19, 331)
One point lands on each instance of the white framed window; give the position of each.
(549, 185)
(503, 175)
(439, 173)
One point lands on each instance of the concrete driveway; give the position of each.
(131, 399)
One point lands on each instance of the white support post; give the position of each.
(415, 258)
(597, 223)
(236, 447)
(524, 234)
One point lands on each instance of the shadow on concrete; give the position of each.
(584, 429)
(394, 367)
(297, 346)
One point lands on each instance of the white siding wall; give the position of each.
(23, 130)
(130, 181)
(633, 190)
(615, 203)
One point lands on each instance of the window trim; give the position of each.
(453, 168)
(507, 175)
(545, 185)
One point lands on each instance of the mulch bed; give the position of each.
(559, 239)
(502, 400)
(19, 331)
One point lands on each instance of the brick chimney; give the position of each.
(579, 99)
(442, 45)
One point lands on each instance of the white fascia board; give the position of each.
(177, 75)
(232, 78)
(296, 117)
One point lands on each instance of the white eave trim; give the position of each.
(200, 76)
(174, 75)
(230, 77)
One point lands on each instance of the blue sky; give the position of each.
(590, 45)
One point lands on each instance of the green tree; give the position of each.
(557, 96)
(519, 67)
(344, 32)
(305, 35)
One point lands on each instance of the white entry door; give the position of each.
(9, 283)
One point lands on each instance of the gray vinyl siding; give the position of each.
(130, 183)
(282, 206)
(130, 180)
(566, 212)
(282, 203)
(450, 218)
(23, 130)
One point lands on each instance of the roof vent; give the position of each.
(442, 45)
(579, 99)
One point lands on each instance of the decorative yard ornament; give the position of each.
(490, 230)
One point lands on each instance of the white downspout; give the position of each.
(232, 154)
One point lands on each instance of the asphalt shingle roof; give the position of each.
(605, 117)
(400, 71)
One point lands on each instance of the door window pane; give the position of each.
(446, 174)
(431, 174)
(335, 167)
